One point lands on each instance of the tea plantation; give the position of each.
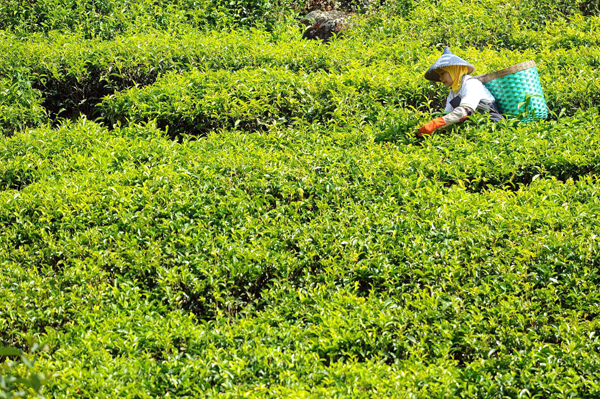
(197, 202)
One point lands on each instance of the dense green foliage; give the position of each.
(106, 19)
(194, 201)
(14, 383)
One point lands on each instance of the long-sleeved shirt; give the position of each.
(472, 95)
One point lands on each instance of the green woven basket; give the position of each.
(518, 91)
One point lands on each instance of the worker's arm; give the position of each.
(458, 115)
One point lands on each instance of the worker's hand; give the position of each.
(429, 128)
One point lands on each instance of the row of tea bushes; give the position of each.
(315, 340)
(511, 25)
(107, 19)
(479, 154)
(296, 260)
(476, 155)
(136, 56)
(273, 355)
(74, 74)
(196, 102)
(201, 101)
(487, 21)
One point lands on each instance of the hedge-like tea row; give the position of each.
(106, 19)
(308, 254)
(73, 75)
(478, 154)
(511, 25)
(199, 102)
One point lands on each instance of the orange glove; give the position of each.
(428, 128)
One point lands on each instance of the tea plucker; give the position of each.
(467, 94)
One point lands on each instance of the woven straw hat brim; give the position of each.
(434, 76)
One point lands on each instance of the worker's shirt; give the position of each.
(471, 92)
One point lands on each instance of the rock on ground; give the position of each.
(322, 25)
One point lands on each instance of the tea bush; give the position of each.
(190, 212)
(198, 102)
(20, 104)
(338, 252)
(107, 19)
(13, 383)
(74, 74)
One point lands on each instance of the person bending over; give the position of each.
(467, 94)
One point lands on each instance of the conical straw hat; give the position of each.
(447, 59)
